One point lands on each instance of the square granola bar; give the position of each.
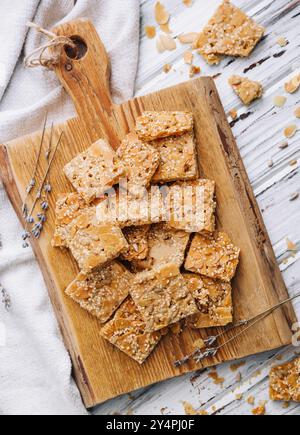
(247, 90)
(94, 244)
(127, 211)
(101, 292)
(127, 331)
(215, 257)
(156, 125)
(213, 299)
(178, 158)
(137, 238)
(285, 382)
(93, 172)
(229, 32)
(191, 206)
(68, 207)
(162, 296)
(166, 245)
(140, 161)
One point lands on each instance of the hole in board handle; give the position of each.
(78, 52)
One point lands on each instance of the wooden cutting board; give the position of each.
(101, 371)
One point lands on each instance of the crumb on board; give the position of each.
(150, 32)
(279, 100)
(235, 366)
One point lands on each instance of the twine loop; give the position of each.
(47, 55)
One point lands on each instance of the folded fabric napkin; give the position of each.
(35, 369)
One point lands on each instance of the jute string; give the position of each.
(47, 55)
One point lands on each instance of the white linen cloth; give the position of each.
(35, 369)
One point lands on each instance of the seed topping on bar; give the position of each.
(178, 158)
(156, 125)
(93, 172)
(247, 90)
(127, 331)
(214, 302)
(140, 161)
(214, 257)
(229, 32)
(137, 238)
(191, 206)
(166, 245)
(162, 296)
(285, 382)
(101, 292)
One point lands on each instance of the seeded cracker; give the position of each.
(127, 211)
(103, 291)
(162, 297)
(214, 257)
(137, 237)
(213, 299)
(157, 125)
(285, 382)
(95, 244)
(68, 207)
(247, 90)
(93, 172)
(191, 206)
(127, 332)
(230, 32)
(140, 162)
(166, 245)
(178, 158)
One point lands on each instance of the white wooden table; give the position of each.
(259, 132)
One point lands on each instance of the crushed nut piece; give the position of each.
(251, 400)
(188, 38)
(127, 332)
(290, 131)
(103, 291)
(187, 3)
(178, 158)
(291, 246)
(215, 257)
(270, 163)
(188, 57)
(213, 300)
(239, 396)
(216, 378)
(162, 16)
(167, 42)
(293, 85)
(233, 113)
(293, 162)
(236, 366)
(246, 89)
(93, 172)
(297, 112)
(294, 196)
(166, 245)
(191, 206)
(194, 70)
(150, 32)
(283, 145)
(137, 238)
(260, 410)
(279, 101)
(230, 32)
(165, 28)
(162, 297)
(157, 125)
(282, 41)
(167, 68)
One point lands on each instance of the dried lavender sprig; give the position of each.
(5, 298)
(32, 182)
(36, 230)
(199, 356)
(48, 151)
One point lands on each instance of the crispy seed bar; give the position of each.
(68, 207)
(166, 245)
(128, 211)
(140, 161)
(214, 302)
(94, 171)
(156, 125)
(285, 382)
(94, 244)
(191, 206)
(214, 257)
(137, 238)
(230, 32)
(127, 332)
(178, 158)
(103, 291)
(246, 89)
(162, 296)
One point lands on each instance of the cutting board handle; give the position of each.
(85, 74)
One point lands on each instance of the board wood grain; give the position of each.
(101, 371)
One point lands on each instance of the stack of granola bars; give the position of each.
(141, 226)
